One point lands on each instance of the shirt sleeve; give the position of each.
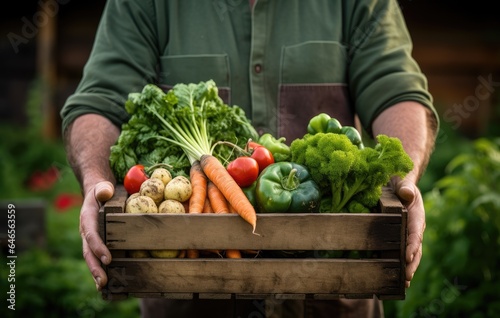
(123, 59)
(382, 71)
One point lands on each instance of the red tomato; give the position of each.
(263, 156)
(251, 145)
(134, 178)
(244, 171)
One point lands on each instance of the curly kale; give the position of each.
(351, 179)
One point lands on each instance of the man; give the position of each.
(281, 61)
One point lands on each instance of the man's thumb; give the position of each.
(406, 191)
(103, 191)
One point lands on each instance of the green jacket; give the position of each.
(283, 63)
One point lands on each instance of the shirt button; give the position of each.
(258, 68)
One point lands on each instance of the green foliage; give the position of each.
(51, 281)
(59, 287)
(24, 151)
(54, 281)
(349, 177)
(459, 274)
(449, 143)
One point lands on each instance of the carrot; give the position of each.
(233, 254)
(196, 203)
(199, 185)
(218, 175)
(192, 253)
(217, 199)
(207, 208)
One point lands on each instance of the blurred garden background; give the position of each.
(43, 47)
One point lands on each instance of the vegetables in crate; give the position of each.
(350, 178)
(323, 123)
(278, 147)
(191, 123)
(138, 142)
(286, 187)
(244, 170)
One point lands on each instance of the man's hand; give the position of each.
(410, 195)
(94, 250)
(416, 127)
(88, 140)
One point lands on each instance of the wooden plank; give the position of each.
(263, 276)
(102, 223)
(371, 231)
(114, 205)
(402, 249)
(214, 296)
(117, 203)
(389, 202)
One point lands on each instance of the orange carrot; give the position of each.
(217, 173)
(217, 200)
(196, 202)
(192, 253)
(199, 186)
(207, 208)
(233, 254)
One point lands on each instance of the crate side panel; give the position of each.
(306, 276)
(276, 231)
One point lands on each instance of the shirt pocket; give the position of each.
(314, 62)
(187, 69)
(313, 80)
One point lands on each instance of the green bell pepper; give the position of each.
(323, 123)
(286, 187)
(280, 150)
(353, 135)
(250, 193)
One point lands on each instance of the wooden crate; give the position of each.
(384, 232)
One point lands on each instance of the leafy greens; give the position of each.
(177, 127)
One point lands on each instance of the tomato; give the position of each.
(251, 145)
(263, 156)
(244, 171)
(135, 176)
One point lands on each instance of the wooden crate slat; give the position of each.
(117, 203)
(256, 278)
(214, 296)
(277, 231)
(389, 202)
(263, 276)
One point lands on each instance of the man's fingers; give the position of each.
(412, 199)
(104, 191)
(94, 250)
(411, 266)
(97, 246)
(94, 266)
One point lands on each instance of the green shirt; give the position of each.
(282, 62)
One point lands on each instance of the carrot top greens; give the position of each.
(178, 127)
